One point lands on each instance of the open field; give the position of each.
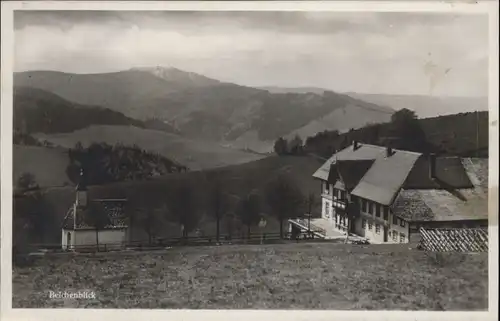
(194, 154)
(47, 164)
(285, 276)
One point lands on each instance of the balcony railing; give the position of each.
(307, 224)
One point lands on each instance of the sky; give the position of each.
(439, 54)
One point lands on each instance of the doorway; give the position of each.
(386, 238)
(68, 241)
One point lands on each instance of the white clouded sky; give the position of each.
(398, 53)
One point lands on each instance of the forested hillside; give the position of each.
(461, 134)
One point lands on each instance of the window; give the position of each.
(386, 213)
(364, 205)
(377, 210)
(370, 225)
(363, 223)
(394, 236)
(327, 188)
(377, 228)
(370, 208)
(402, 238)
(394, 219)
(402, 223)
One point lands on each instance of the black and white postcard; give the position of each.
(304, 160)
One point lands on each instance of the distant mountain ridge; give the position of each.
(427, 106)
(202, 108)
(40, 111)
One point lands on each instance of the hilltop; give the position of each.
(40, 111)
(206, 109)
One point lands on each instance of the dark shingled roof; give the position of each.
(448, 204)
(114, 211)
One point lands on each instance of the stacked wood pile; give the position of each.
(454, 239)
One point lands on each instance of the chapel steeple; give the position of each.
(81, 190)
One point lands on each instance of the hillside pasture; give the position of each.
(194, 154)
(285, 276)
(237, 181)
(48, 165)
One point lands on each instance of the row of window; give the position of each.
(379, 210)
(395, 234)
(336, 192)
(402, 236)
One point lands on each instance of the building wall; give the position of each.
(112, 238)
(376, 220)
(329, 206)
(64, 239)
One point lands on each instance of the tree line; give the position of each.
(294, 146)
(104, 163)
(182, 204)
(189, 208)
(462, 135)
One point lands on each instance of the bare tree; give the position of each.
(183, 209)
(248, 211)
(218, 204)
(97, 217)
(284, 199)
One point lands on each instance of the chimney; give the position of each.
(388, 151)
(432, 166)
(355, 145)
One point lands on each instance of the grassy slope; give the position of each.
(343, 120)
(237, 180)
(287, 276)
(47, 164)
(194, 154)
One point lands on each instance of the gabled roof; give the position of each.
(114, 211)
(384, 179)
(351, 172)
(402, 180)
(448, 204)
(363, 152)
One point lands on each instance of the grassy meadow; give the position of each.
(284, 276)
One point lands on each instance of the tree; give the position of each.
(97, 217)
(284, 199)
(296, 145)
(281, 146)
(182, 208)
(406, 131)
(218, 204)
(403, 116)
(26, 181)
(248, 211)
(146, 218)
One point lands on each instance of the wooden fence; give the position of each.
(454, 239)
(160, 243)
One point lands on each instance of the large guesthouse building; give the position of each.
(385, 195)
